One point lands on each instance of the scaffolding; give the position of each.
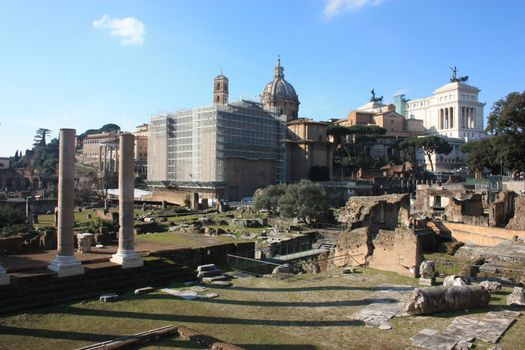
(194, 144)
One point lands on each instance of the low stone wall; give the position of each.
(484, 236)
(209, 255)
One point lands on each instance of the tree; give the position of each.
(480, 155)
(105, 128)
(40, 137)
(352, 154)
(306, 201)
(506, 122)
(409, 146)
(429, 144)
(268, 197)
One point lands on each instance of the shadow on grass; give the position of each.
(297, 289)
(206, 319)
(55, 334)
(357, 302)
(277, 347)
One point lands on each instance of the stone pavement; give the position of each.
(465, 329)
(379, 313)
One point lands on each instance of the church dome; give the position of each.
(279, 87)
(280, 95)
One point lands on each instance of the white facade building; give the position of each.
(453, 111)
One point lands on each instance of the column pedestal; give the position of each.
(127, 258)
(66, 265)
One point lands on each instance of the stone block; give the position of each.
(144, 290)
(107, 298)
(85, 240)
(209, 273)
(206, 267)
(214, 279)
(491, 286)
(517, 297)
(423, 281)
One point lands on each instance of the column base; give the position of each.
(4, 277)
(127, 258)
(66, 265)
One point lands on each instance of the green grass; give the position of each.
(304, 312)
(171, 238)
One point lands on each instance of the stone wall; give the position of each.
(209, 255)
(484, 236)
(502, 209)
(518, 221)
(376, 212)
(398, 250)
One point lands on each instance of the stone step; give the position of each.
(209, 273)
(214, 279)
(207, 267)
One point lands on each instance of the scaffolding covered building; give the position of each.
(229, 149)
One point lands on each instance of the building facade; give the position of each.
(141, 150)
(453, 110)
(233, 148)
(100, 151)
(307, 146)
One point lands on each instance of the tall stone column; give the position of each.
(100, 157)
(126, 255)
(105, 158)
(65, 263)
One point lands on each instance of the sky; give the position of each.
(82, 64)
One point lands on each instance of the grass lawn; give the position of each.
(303, 312)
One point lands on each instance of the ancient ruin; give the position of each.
(436, 299)
(65, 263)
(379, 235)
(126, 254)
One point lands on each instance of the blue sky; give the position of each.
(82, 64)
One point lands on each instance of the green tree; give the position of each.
(104, 128)
(306, 201)
(268, 197)
(40, 137)
(480, 154)
(12, 221)
(506, 122)
(409, 146)
(429, 144)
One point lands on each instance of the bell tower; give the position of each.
(220, 90)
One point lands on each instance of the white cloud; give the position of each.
(335, 7)
(130, 30)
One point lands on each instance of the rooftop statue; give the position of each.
(374, 98)
(455, 78)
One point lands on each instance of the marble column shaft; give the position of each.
(65, 263)
(126, 255)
